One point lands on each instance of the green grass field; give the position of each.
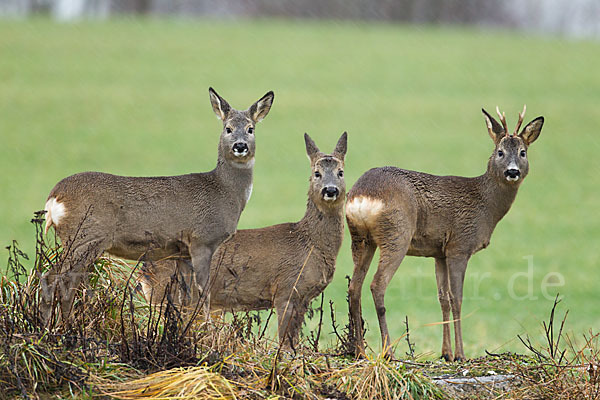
(130, 97)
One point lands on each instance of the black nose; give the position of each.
(512, 173)
(240, 147)
(330, 191)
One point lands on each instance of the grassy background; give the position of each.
(130, 97)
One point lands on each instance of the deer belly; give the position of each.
(153, 248)
(239, 290)
(426, 247)
(232, 299)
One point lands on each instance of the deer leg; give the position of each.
(48, 283)
(389, 261)
(74, 267)
(443, 285)
(457, 268)
(362, 254)
(170, 277)
(184, 271)
(201, 256)
(290, 317)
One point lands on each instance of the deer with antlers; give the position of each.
(448, 218)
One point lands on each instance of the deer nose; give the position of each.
(512, 174)
(240, 148)
(330, 192)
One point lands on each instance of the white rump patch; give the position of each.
(54, 213)
(363, 211)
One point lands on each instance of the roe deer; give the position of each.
(282, 266)
(154, 217)
(446, 217)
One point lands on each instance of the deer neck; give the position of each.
(324, 228)
(498, 195)
(236, 177)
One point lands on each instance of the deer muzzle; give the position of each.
(512, 174)
(240, 149)
(330, 193)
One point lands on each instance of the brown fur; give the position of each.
(445, 217)
(154, 217)
(282, 266)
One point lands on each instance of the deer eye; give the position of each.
(500, 153)
(228, 129)
(523, 153)
(317, 174)
(341, 174)
(250, 130)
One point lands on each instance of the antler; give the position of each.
(505, 125)
(503, 120)
(520, 121)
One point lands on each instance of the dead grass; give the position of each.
(563, 367)
(177, 383)
(378, 378)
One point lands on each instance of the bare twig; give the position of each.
(411, 346)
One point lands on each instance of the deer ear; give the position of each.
(532, 130)
(219, 105)
(259, 110)
(311, 148)
(341, 146)
(495, 130)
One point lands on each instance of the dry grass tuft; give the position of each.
(379, 378)
(177, 383)
(561, 368)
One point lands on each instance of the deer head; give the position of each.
(327, 187)
(508, 163)
(237, 145)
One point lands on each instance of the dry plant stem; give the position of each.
(262, 333)
(316, 341)
(560, 374)
(411, 348)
